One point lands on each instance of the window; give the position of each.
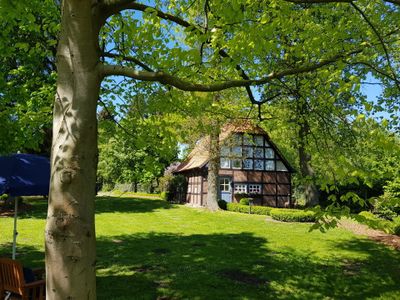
(280, 166)
(259, 140)
(254, 188)
(248, 140)
(247, 152)
(269, 165)
(225, 151)
(237, 151)
(248, 164)
(258, 153)
(225, 163)
(269, 153)
(240, 188)
(225, 185)
(236, 163)
(258, 164)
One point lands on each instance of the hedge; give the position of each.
(292, 215)
(372, 221)
(257, 210)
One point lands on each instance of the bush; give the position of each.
(256, 210)
(292, 215)
(396, 225)
(222, 204)
(236, 207)
(245, 201)
(375, 222)
(164, 196)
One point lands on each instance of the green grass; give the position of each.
(148, 249)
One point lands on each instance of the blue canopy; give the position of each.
(24, 175)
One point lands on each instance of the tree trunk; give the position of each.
(70, 229)
(311, 192)
(213, 169)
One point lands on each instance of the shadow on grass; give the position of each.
(28, 255)
(104, 204)
(233, 266)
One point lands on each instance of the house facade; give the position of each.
(250, 166)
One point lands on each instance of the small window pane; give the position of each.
(280, 166)
(247, 152)
(236, 163)
(269, 165)
(269, 153)
(258, 153)
(225, 151)
(248, 140)
(266, 143)
(258, 164)
(224, 185)
(254, 188)
(240, 188)
(225, 163)
(237, 151)
(237, 139)
(259, 140)
(248, 164)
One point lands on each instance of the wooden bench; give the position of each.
(12, 281)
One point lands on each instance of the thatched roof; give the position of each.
(199, 156)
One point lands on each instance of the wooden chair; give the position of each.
(12, 280)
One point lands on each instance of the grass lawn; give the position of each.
(147, 249)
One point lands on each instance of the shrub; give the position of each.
(245, 201)
(375, 222)
(256, 210)
(396, 225)
(164, 196)
(236, 207)
(292, 215)
(222, 204)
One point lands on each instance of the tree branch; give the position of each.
(366, 19)
(165, 78)
(130, 59)
(395, 2)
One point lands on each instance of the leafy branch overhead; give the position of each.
(220, 35)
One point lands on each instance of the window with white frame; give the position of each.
(225, 163)
(254, 188)
(225, 185)
(240, 188)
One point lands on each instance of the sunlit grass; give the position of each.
(148, 249)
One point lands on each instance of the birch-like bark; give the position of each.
(70, 230)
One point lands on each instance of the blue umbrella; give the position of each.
(23, 175)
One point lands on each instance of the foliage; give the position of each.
(257, 210)
(171, 185)
(375, 222)
(28, 33)
(136, 150)
(222, 204)
(245, 201)
(292, 215)
(145, 241)
(396, 225)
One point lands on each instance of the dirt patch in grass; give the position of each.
(373, 234)
(242, 277)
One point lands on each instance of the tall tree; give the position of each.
(168, 45)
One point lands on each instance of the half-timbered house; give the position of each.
(250, 166)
